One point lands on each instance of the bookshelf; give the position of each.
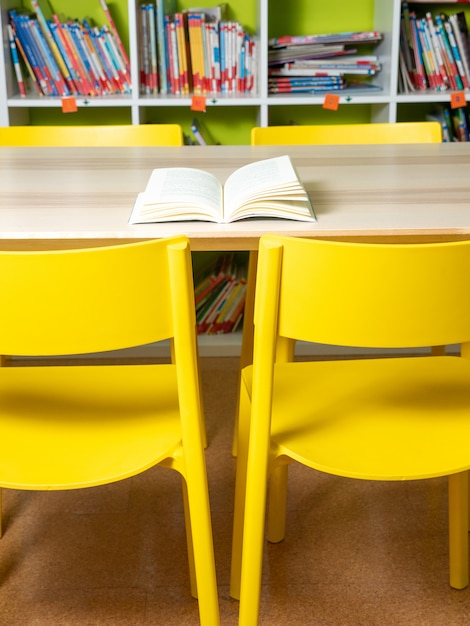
(263, 18)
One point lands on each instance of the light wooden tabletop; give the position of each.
(59, 197)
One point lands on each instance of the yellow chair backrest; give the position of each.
(103, 136)
(347, 299)
(75, 313)
(400, 132)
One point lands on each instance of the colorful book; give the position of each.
(459, 26)
(16, 61)
(163, 8)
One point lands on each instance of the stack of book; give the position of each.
(69, 57)
(194, 51)
(320, 63)
(434, 51)
(220, 296)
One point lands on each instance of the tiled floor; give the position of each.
(356, 553)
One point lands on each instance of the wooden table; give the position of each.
(66, 197)
(56, 197)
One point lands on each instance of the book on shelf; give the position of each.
(330, 38)
(361, 65)
(460, 28)
(162, 9)
(13, 42)
(434, 51)
(198, 51)
(201, 134)
(148, 50)
(220, 294)
(331, 55)
(307, 84)
(454, 122)
(67, 57)
(270, 188)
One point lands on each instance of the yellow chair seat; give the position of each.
(80, 426)
(401, 402)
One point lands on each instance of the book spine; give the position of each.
(455, 51)
(96, 67)
(26, 61)
(454, 77)
(223, 30)
(420, 75)
(464, 68)
(105, 74)
(16, 61)
(152, 27)
(24, 34)
(436, 47)
(182, 53)
(75, 45)
(115, 32)
(92, 81)
(63, 70)
(145, 50)
(49, 67)
(162, 9)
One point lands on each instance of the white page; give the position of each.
(254, 178)
(181, 193)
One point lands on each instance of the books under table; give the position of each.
(270, 188)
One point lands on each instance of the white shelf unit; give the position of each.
(384, 105)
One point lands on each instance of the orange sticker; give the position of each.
(69, 105)
(198, 103)
(457, 99)
(331, 102)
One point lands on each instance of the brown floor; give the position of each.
(356, 553)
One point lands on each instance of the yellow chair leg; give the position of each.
(458, 530)
(252, 553)
(1, 513)
(253, 466)
(241, 435)
(189, 540)
(201, 559)
(277, 506)
(246, 355)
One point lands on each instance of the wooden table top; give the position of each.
(61, 197)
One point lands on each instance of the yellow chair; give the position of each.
(400, 132)
(76, 426)
(396, 418)
(122, 135)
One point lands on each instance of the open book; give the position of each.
(270, 188)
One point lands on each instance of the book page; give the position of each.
(267, 188)
(179, 193)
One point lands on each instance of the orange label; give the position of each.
(69, 105)
(457, 99)
(331, 102)
(198, 103)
